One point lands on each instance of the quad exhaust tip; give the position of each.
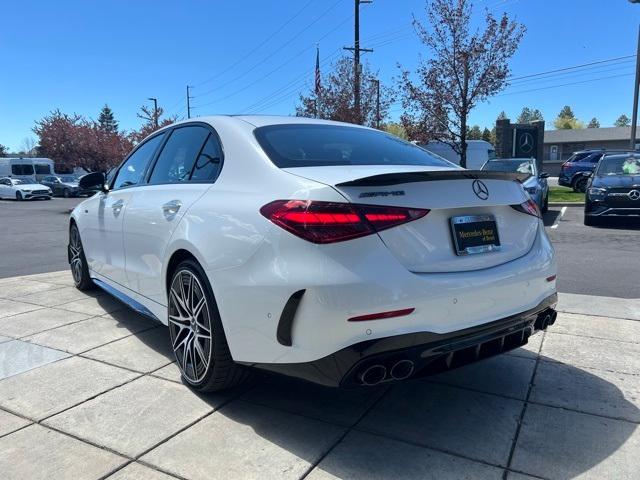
(402, 370)
(373, 375)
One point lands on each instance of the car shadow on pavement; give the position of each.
(550, 217)
(561, 436)
(619, 223)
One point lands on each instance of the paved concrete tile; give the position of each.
(531, 349)
(36, 452)
(244, 440)
(340, 406)
(560, 444)
(361, 455)
(599, 327)
(28, 323)
(50, 389)
(143, 352)
(95, 306)
(170, 372)
(597, 305)
(592, 352)
(9, 307)
(17, 357)
(136, 416)
(602, 393)
(503, 375)
(59, 296)
(59, 278)
(473, 424)
(519, 476)
(91, 333)
(10, 423)
(136, 471)
(16, 289)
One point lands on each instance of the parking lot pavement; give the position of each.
(88, 390)
(33, 235)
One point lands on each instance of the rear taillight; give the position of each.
(529, 207)
(328, 222)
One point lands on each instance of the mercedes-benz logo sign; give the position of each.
(634, 194)
(481, 190)
(526, 142)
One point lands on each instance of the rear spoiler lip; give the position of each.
(396, 178)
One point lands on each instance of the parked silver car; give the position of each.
(536, 185)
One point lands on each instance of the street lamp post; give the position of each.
(155, 110)
(636, 85)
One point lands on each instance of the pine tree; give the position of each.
(474, 133)
(623, 121)
(486, 135)
(107, 121)
(502, 116)
(594, 123)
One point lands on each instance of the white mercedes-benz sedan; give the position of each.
(330, 252)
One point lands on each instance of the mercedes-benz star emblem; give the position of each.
(634, 194)
(481, 190)
(526, 142)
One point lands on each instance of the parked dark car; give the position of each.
(572, 171)
(614, 188)
(65, 186)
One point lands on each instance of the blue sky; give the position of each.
(76, 56)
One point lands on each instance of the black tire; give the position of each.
(78, 262)
(545, 204)
(221, 372)
(19, 196)
(66, 193)
(590, 221)
(580, 184)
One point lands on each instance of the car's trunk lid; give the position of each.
(427, 244)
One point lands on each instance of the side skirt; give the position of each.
(127, 300)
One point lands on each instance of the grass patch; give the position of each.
(564, 194)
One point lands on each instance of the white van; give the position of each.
(31, 169)
(478, 152)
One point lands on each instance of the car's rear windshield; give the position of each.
(519, 166)
(326, 145)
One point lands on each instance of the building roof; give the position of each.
(583, 135)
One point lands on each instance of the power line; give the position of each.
(255, 49)
(597, 69)
(566, 84)
(272, 54)
(572, 68)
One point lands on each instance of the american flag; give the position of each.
(318, 85)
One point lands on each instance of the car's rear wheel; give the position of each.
(66, 193)
(77, 261)
(197, 336)
(580, 184)
(19, 196)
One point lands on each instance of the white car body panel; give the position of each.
(254, 266)
(25, 189)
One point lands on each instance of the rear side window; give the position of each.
(209, 162)
(43, 169)
(22, 169)
(176, 160)
(132, 171)
(324, 145)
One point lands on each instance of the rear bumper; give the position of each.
(420, 354)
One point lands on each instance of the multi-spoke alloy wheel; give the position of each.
(75, 248)
(190, 326)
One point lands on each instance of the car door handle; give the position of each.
(172, 207)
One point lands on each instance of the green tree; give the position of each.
(107, 121)
(502, 116)
(529, 115)
(474, 133)
(567, 120)
(487, 136)
(594, 123)
(623, 121)
(395, 129)
(3, 151)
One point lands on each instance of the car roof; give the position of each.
(265, 120)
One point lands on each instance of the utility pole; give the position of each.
(377, 82)
(636, 86)
(356, 58)
(189, 97)
(155, 110)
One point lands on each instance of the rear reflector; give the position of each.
(529, 207)
(328, 222)
(378, 316)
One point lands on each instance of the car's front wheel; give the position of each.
(197, 336)
(77, 261)
(19, 196)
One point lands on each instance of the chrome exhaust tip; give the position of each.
(402, 370)
(373, 375)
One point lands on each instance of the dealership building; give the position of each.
(560, 144)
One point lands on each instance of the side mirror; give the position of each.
(93, 180)
(544, 175)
